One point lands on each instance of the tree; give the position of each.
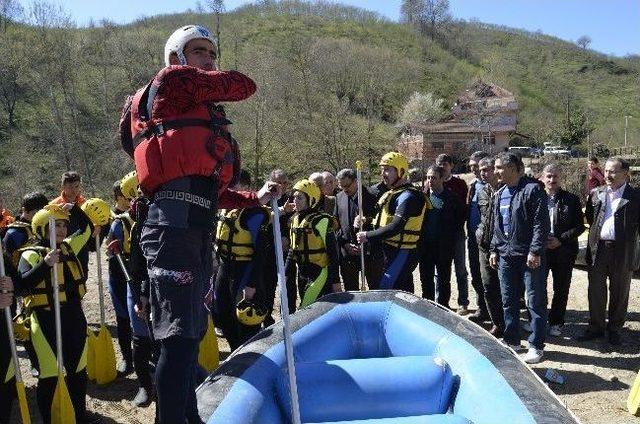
(584, 41)
(429, 16)
(420, 110)
(10, 10)
(572, 130)
(411, 11)
(217, 7)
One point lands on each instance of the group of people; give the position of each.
(188, 239)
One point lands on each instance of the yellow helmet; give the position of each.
(309, 188)
(250, 313)
(129, 185)
(40, 219)
(396, 160)
(97, 210)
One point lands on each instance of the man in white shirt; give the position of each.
(613, 211)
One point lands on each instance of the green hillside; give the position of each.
(331, 79)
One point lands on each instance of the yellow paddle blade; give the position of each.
(633, 401)
(61, 408)
(22, 402)
(91, 354)
(208, 355)
(105, 357)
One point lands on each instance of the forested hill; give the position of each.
(331, 80)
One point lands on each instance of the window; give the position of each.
(489, 139)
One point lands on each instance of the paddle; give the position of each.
(91, 354)
(61, 407)
(363, 277)
(104, 353)
(22, 396)
(208, 354)
(284, 311)
(633, 401)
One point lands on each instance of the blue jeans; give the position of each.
(513, 273)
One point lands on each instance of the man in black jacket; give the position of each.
(490, 281)
(346, 211)
(521, 229)
(567, 223)
(613, 211)
(439, 229)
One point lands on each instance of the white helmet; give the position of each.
(180, 37)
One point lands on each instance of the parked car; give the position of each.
(557, 151)
(524, 151)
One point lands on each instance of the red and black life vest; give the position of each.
(195, 143)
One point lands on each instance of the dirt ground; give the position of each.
(597, 384)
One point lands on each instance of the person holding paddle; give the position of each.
(37, 266)
(7, 369)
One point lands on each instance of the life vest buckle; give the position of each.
(158, 129)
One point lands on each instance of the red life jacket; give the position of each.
(194, 143)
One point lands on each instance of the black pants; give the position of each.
(561, 267)
(142, 355)
(118, 291)
(176, 381)
(7, 394)
(270, 282)
(74, 335)
(228, 292)
(476, 274)
(491, 287)
(350, 270)
(432, 258)
(618, 293)
(77, 385)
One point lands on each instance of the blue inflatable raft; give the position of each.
(378, 357)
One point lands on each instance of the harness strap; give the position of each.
(214, 124)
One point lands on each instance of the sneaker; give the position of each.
(555, 330)
(143, 397)
(462, 311)
(527, 327)
(124, 367)
(34, 372)
(478, 317)
(515, 347)
(496, 332)
(533, 356)
(219, 333)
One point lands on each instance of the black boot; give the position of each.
(125, 366)
(141, 365)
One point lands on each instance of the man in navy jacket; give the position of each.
(521, 229)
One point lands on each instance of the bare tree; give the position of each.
(217, 8)
(584, 41)
(429, 16)
(411, 11)
(10, 11)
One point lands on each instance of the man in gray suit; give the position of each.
(613, 211)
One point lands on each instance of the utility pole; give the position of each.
(626, 124)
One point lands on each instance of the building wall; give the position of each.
(454, 144)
